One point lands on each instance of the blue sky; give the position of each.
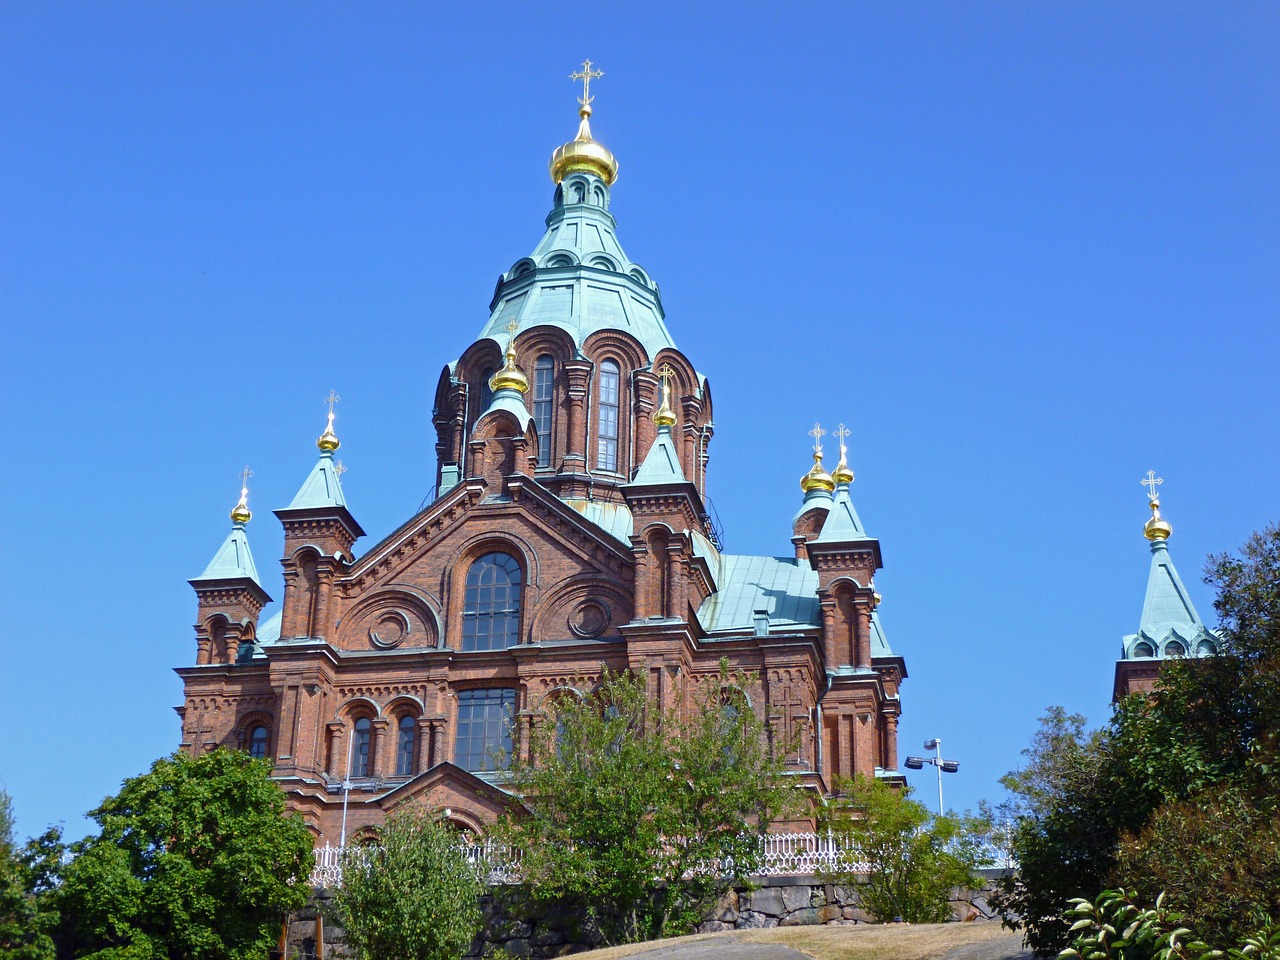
(1025, 251)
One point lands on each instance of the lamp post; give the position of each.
(944, 766)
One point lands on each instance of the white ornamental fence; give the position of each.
(783, 855)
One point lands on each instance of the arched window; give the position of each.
(607, 425)
(544, 372)
(1174, 649)
(361, 758)
(405, 744)
(486, 391)
(484, 727)
(258, 742)
(1205, 648)
(1143, 649)
(491, 610)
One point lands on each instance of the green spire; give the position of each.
(234, 561)
(661, 464)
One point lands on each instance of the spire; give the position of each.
(662, 462)
(233, 561)
(322, 487)
(582, 152)
(817, 478)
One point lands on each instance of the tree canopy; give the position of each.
(413, 896)
(1178, 792)
(195, 860)
(638, 817)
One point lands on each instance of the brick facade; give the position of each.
(368, 657)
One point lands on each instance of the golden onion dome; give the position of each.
(817, 478)
(510, 377)
(328, 441)
(1157, 528)
(240, 512)
(583, 153)
(842, 473)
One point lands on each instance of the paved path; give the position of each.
(998, 948)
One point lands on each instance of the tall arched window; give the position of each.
(361, 748)
(607, 425)
(258, 742)
(486, 391)
(491, 609)
(406, 743)
(544, 372)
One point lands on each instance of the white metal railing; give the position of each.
(783, 855)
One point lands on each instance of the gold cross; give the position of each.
(586, 75)
(817, 433)
(245, 474)
(1151, 483)
(841, 431)
(667, 373)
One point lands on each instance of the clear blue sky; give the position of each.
(1026, 251)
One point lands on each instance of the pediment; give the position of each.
(470, 799)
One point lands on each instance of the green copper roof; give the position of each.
(1167, 614)
(322, 487)
(661, 464)
(233, 561)
(842, 523)
(786, 589)
(613, 518)
(512, 401)
(815, 499)
(579, 278)
(879, 642)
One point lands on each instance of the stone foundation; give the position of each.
(518, 926)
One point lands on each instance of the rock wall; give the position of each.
(518, 926)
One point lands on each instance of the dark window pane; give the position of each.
(258, 742)
(360, 758)
(484, 727)
(607, 424)
(543, 395)
(408, 739)
(491, 608)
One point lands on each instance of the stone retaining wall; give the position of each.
(517, 926)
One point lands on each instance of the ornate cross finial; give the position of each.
(817, 433)
(841, 431)
(1151, 482)
(667, 373)
(340, 468)
(245, 474)
(586, 75)
(331, 399)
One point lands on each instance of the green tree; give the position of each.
(414, 896)
(903, 859)
(1178, 793)
(639, 820)
(27, 919)
(196, 860)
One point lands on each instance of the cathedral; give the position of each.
(569, 534)
(1170, 627)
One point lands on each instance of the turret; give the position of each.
(319, 532)
(1170, 627)
(229, 593)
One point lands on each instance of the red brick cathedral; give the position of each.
(569, 533)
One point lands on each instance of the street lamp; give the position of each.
(944, 766)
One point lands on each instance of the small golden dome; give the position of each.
(583, 153)
(1157, 528)
(328, 441)
(664, 416)
(842, 473)
(510, 377)
(240, 512)
(817, 478)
